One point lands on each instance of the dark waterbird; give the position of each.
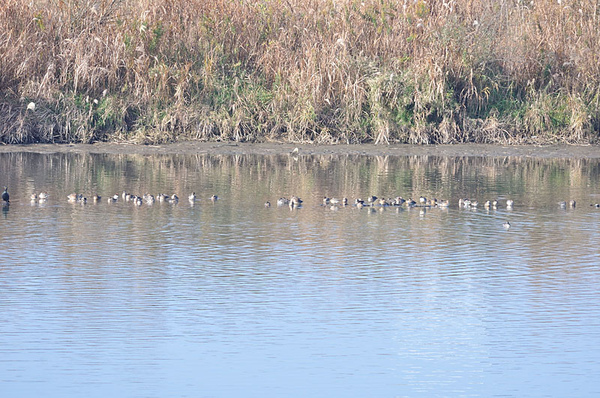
(5, 195)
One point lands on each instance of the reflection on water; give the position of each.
(234, 299)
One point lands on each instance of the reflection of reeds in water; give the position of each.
(307, 176)
(245, 182)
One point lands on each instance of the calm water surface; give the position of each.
(234, 299)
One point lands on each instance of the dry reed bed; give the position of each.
(322, 71)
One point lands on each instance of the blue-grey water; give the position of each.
(230, 298)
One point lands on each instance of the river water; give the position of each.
(231, 298)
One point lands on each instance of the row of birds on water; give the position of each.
(398, 201)
(127, 197)
(292, 202)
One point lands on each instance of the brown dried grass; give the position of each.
(323, 71)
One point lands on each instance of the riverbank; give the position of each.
(233, 148)
(323, 72)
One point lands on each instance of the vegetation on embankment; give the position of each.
(323, 71)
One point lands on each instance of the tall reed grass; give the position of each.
(322, 71)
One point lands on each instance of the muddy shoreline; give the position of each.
(233, 148)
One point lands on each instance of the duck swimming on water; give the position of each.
(5, 195)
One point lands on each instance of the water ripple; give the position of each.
(232, 299)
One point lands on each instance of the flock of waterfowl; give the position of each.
(135, 199)
(294, 201)
(398, 201)
(42, 197)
